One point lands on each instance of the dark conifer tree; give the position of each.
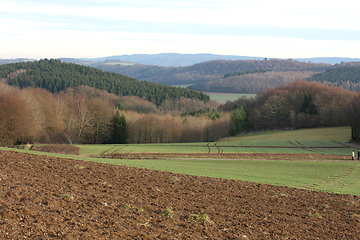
(120, 129)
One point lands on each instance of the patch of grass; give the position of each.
(175, 178)
(195, 217)
(105, 184)
(317, 215)
(127, 207)
(67, 196)
(79, 167)
(168, 212)
(224, 97)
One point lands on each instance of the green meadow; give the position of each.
(304, 141)
(332, 176)
(339, 176)
(224, 97)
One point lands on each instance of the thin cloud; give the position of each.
(280, 28)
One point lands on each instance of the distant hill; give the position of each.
(177, 59)
(245, 76)
(54, 76)
(202, 73)
(343, 75)
(15, 60)
(328, 60)
(171, 59)
(252, 83)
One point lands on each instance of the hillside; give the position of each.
(205, 71)
(55, 76)
(345, 75)
(251, 83)
(209, 76)
(231, 76)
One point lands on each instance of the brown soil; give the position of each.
(43, 197)
(58, 148)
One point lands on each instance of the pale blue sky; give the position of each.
(261, 28)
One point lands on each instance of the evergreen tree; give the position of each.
(308, 106)
(238, 117)
(120, 129)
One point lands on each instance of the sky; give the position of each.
(258, 28)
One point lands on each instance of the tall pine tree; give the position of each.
(120, 129)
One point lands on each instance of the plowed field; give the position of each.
(43, 197)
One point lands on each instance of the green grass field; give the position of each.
(304, 141)
(337, 134)
(331, 176)
(341, 176)
(224, 97)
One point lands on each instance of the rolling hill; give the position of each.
(54, 76)
(204, 74)
(231, 76)
(177, 59)
(346, 75)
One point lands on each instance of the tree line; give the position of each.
(251, 83)
(299, 104)
(339, 74)
(55, 76)
(88, 115)
(243, 72)
(347, 77)
(209, 70)
(91, 116)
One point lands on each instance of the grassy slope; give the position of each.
(332, 176)
(319, 137)
(339, 134)
(224, 97)
(316, 137)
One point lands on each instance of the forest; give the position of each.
(48, 101)
(55, 76)
(299, 104)
(207, 71)
(347, 77)
(252, 82)
(244, 72)
(241, 76)
(87, 115)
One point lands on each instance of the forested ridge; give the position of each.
(339, 74)
(343, 75)
(251, 82)
(206, 71)
(55, 76)
(242, 76)
(244, 72)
